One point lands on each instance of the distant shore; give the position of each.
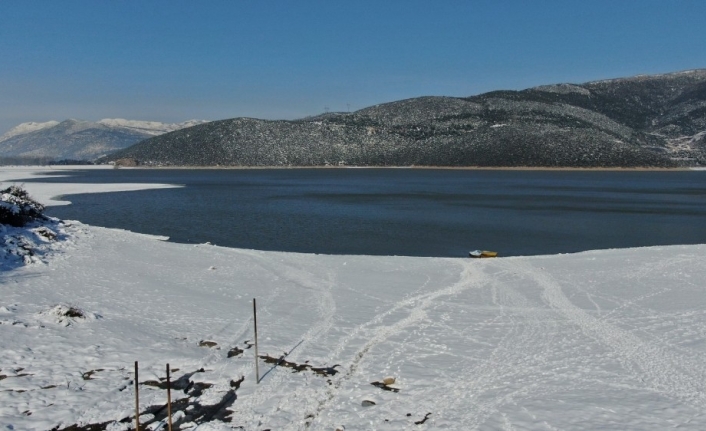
(470, 168)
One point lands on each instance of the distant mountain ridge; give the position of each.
(24, 128)
(80, 140)
(650, 120)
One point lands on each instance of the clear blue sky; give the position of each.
(177, 60)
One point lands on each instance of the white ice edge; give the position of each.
(51, 194)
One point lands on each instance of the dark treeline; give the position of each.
(39, 161)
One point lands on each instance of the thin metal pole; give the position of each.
(169, 400)
(137, 401)
(257, 366)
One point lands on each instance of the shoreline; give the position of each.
(461, 168)
(59, 168)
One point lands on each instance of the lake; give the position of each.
(413, 212)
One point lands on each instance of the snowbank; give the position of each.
(597, 340)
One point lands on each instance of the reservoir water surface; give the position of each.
(413, 212)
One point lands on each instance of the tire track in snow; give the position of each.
(645, 271)
(326, 308)
(269, 389)
(662, 371)
(414, 302)
(417, 313)
(517, 359)
(416, 305)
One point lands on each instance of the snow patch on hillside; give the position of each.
(685, 143)
(563, 89)
(149, 127)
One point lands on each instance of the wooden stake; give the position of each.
(169, 399)
(257, 366)
(137, 401)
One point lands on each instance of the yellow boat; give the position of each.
(482, 253)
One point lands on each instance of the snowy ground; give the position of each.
(610, 339)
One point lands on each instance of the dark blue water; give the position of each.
(403, 211)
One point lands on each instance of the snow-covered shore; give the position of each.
(609, 339)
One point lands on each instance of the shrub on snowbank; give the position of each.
(17, 208)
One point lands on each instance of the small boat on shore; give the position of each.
(482, 253)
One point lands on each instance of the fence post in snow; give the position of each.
(137, 401)
(257, 366)
(169, 400)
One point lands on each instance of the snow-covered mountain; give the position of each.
(24, 128)
(80, 140)
(656, 121)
